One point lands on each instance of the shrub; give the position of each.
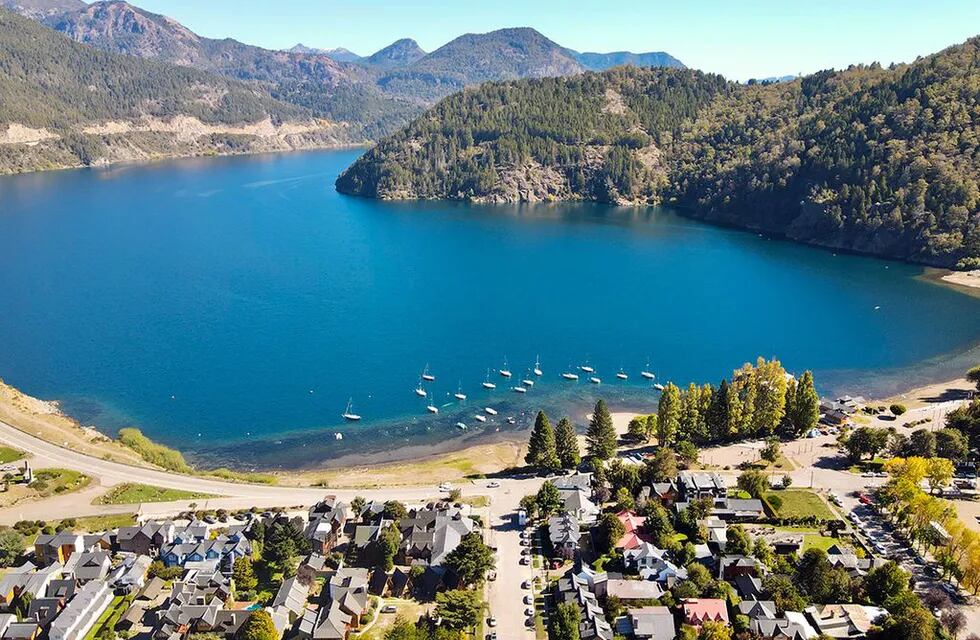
(152, 452)
(897, 409)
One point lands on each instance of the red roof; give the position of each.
(633, 537)
(699, 610)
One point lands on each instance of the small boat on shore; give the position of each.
(569, 376)
(537, 366)
(595, 380)
(426, 375)
(480, 418)
(505, 372)
(349, 414)
(490, 411)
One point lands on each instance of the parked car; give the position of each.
(389, 608)
(491, 622)
(493, 484)
(528, 599)
(526, 584)
(446, 486)
(491, 576)
(525, 560)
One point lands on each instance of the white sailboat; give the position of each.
(505, 372)
(459, 395)
(350, 415)
(490, 411)
(487, 384)
(537, 365)
(432, 408)
(622, 375)
(460, 425)
(480, 418)
(569, 376)
(586, 367)
(527, 383)
(520, 389)
(658, 386)
(595, 380)
(419, 391)
(426, 375)
(646, 373)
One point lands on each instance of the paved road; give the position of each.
(505, 593)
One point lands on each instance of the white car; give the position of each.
(446, 486)
(493, 484)
(491, 622)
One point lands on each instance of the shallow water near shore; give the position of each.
(230, 307)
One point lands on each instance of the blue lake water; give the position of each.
(231, 306)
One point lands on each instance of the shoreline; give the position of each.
(966, 282)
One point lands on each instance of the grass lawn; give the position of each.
(48, 482)
(9, 454)
(477, 502)
(798, 503)
(104, 523)
(407, 609)
(131, 493)
(107, 621)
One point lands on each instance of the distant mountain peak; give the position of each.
(340, 54)
(39, 9)
(399, 53)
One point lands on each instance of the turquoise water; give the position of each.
(230, 307)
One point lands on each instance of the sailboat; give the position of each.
(460, 425)
(646, 373)
(528, 382)
(480, 418)
(426, 375)
(505, 372)
(569, 376)
(487, 384)
(520, 389)
(459, 395)
(419, 391)
(348, 414)
(537, 365)
(490, 411)
(622, 374)
(432, 408)
(595, 380)
(658, 386)
(586, 368)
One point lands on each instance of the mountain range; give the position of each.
(884, 161)
(373, 95)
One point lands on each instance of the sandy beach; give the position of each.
(964, 278)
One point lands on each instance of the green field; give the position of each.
(799, 503)
(9, 454)
(107, 621)
(49, 482)
(104, 523)
(132, 493)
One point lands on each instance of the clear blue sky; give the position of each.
(740, 39)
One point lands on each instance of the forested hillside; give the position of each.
(882, 161)
(64, 104)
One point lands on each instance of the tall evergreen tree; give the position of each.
(566, 444)
(788, 424)
(541, 450)
(601, 435)
(806, 408)
(668, 415)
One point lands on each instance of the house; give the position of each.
(25, 580)
(645, 556)
(201, 587)
(429, 535)
(89, 565)
(595, 580)
(347, 592)
(22, 631)
(223, 549)
(593, 624)
(180, 620)
(787, 545)
(697, 611)
(732, 509)
(130, 575)
(793, 626)
(651, 623)
(634, 536)
(757, 609)
(564, 533)
(81, 612)
(291, 598)
(843, 620)
(849, 561)
(694, 485)
(666, 492)
(628, 590)
(730, 567)
(665, 572)
(748, 587)
(145, 539)
(717, 533)
(327, 519)
(44, 610)
(57, 547)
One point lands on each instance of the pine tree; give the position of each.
(806, 408)
(601, 435)
(668, 415)
(566, 444)
(541, 447)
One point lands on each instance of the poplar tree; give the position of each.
(806, 408)
(601, 435)
(668, 415)
(566, 444)
(541, 451)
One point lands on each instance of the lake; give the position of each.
(231, 307)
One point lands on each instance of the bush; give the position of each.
(152, 452)
(775, 502)
(897, 409)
